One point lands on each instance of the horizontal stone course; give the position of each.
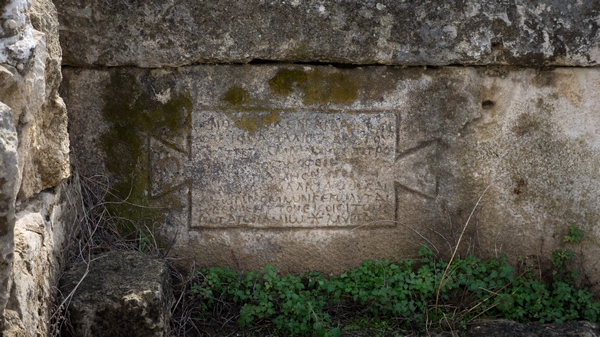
(317, 167)
(174, 33)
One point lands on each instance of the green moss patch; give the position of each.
(247, 117)
(254, 121)
(317, 86)
(135, 116)
(237, 96)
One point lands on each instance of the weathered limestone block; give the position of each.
(13, 326)
(29, 80)
(315, 167)
(124, 294)
(33, 139)
(50, 157)
(42, 231)
(8, 175)
(423, 32)
(505, 328)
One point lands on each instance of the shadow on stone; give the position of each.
(505, 328)
(123, 294)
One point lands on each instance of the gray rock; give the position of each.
(34, 155)
(29, 80)
(8, 178)
(49, 159)
(124, 294)
(316, 167)
(44, 227)
(505, 328)
(13, 326)
(18, 39)
(175, 33)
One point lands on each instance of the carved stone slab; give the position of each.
(310, 169)
(315, 167)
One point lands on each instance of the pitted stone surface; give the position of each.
(34, 156)
(316, 167)
(175, 33)
(8, 177)
(309, 170)
(119, 294)
(29, 81)
(44, 228)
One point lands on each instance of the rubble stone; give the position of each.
(119, 294)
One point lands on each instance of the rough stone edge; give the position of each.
(8, 175)
(508, 328)
(30, 58)
(45, 228)
(86, 312)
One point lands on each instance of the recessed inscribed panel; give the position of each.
(293, 169)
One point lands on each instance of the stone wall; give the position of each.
(316, 167)
(35, 214)
(174, 33)
(283, 159)
(44, 226)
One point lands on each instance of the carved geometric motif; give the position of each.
(309, 169)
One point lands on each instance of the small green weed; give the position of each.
(400, 295)
(575, 234)
(292, 304)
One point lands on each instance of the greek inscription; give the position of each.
(308, 170)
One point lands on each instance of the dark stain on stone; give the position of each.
(521, 184)
(135, 115)
(246, 116)
(544, 78)
(286, 80)
(496, 44)
(526, 124)
(253, 121)
(487, 105)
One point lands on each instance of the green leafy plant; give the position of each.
(562, 257)
(575, 234)
(420, 294)
(290, 303)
